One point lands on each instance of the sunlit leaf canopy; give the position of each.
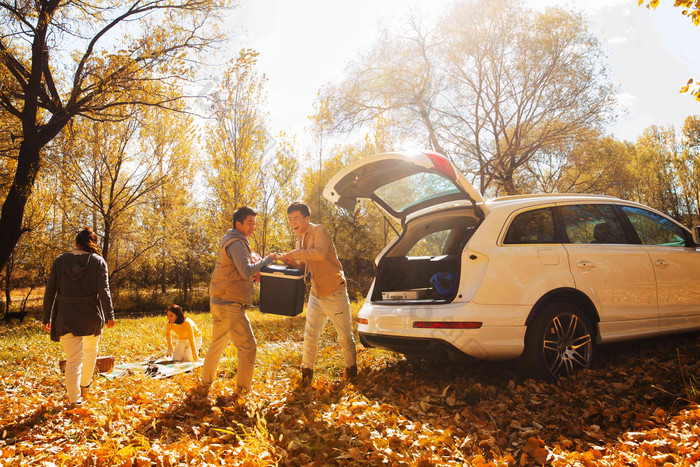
(489, 92)
(690, 9)
(96, 60)
(99, 55)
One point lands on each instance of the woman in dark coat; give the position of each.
(77, 304)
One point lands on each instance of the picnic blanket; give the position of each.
(156, 369)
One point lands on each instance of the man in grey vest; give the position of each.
(230, 292)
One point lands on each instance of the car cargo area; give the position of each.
(424, 264)
(409, 278)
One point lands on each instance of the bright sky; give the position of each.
(304, 44)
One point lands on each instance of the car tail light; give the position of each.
(442, 164)
(362, 321)
(447, 324)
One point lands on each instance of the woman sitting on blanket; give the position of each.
(189, 337)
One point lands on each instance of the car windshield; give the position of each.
(418, 188)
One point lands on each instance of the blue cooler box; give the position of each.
(281, 290)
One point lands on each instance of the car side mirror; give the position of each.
(696, 234)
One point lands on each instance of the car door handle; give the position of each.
(661, 262)
(586, 264)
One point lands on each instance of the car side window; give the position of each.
(654, 229)
(536, 226)
(592, 223)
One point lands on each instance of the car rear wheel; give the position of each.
(558, 342)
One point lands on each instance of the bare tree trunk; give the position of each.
(185, 281)
(106, 239)
(9, 266)
(162, 273)
(23, 309)
(32, 142)
(434, 142)
(13, 207)
(508, 184)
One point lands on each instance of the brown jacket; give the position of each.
(77, 299)
(316, 249)
(227, 283)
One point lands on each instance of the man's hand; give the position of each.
(286, 257)
(169, 352)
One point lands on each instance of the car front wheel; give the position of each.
(559, 342)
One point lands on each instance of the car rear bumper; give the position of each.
(391, 328)
(434, 349)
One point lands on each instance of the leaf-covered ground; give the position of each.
(638, 406)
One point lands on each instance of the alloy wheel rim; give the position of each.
(567, 345)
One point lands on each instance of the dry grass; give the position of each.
(631, 409)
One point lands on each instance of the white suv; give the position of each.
(543, 278)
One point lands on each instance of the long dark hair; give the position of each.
(87, 241)
(177, 311)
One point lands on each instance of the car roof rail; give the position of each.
(554, 195)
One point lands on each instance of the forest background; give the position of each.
(105, 122)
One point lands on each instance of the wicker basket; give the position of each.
(102, 364)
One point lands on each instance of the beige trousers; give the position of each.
(81, 353)
(335, 307)
(230, 323)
